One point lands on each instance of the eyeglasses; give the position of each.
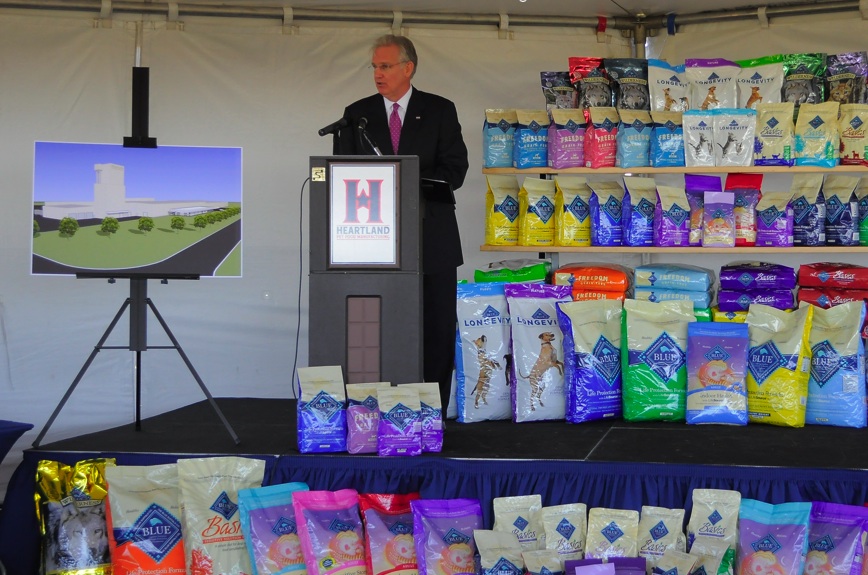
(385, 67)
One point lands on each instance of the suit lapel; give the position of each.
(378, 125)
(412, 123)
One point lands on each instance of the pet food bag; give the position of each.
(698, 138)
(601, 137)
(542, 562)
(566, 139)
(631, 82)
(482, 391)
(746, 188)
(660, 530)
(536, 211)
(774, 226)
(520, 516)
(674, 276)
(637, 219)
(699, 299)
(592, 358)
(713, 524)
(760, 81)
(513, 271)
(695, 186)
(591, 81)
(400, 428)
(431, 409)
(809, 210)
(573, 211)
(772, 538)
(270, 530)
(734, 133)
(530, 149)
(634, 139)
(667, 140)
(854, 140)
(211, 524)
(558, 90)
(674, 562)
(537, 377)
(654, 359)
(712, 83)
(498, 137)
(591, 276)
(775, 135)
(671, 218)
(668, 87)
(144, 519)
(71, 511)
(501, 210)
(612, 533)
(606, 211)
(842, 210)
(779, 364)
(835, 539)
(363, 416)
(803, 79)
(389, 545)
(740, 276)
(443, 535)
(817, 136)
(836, 389)
(499, 552)
(826, 298)
(331, 531)
(716, 372)
(833, 275)
(718, 220)
(322, 415)
(731, 300)
(845, 77)
(565, 529)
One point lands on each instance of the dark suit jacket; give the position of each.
(432, 132)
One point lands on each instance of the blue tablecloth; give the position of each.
(10, 431)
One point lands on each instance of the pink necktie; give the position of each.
(395, 127)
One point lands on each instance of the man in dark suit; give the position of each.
(405, 121)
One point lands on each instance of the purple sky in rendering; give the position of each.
(64, 172)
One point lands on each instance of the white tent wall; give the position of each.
(215, 82)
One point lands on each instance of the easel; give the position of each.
(138, 304)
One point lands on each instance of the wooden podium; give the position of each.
(365, 291)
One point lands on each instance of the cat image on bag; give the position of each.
(840, 92)
(726, 148)
(486, 366)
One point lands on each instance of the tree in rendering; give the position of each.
(67, 227)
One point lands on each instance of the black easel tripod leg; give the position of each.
(193, 371)
(81, 373)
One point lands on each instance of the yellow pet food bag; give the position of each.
(501, 211)
(536, 212)
(778, 364)
(572, 211)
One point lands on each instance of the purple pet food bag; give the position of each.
(728, 300)
(695, 185)
(400, 428)
(774, 226)
(716, 371)
(566, 145)
(363, 416)
(756, 275)
(269, 527)
(443, 535)
(835, 539)
(321, 410)
(671, 218)
(718, 220)
(606, 210)
(772, 539)
(637, 217)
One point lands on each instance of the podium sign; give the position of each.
(363, 215)
(365, 291)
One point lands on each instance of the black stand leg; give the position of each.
(138, 304)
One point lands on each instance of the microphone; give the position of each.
(363, 122)
(334, 127)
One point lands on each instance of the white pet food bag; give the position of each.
(713, 521)
(537, 377)
(213, 541)
(566, 527)
(521, 516)
(612, 533)
(660, 530)
(482, 388)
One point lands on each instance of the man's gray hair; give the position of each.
(408, 50)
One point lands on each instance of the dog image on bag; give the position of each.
(548, 358)
(487, 365)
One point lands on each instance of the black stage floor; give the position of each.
(267, 427)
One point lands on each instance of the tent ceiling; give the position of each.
(568, 8)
